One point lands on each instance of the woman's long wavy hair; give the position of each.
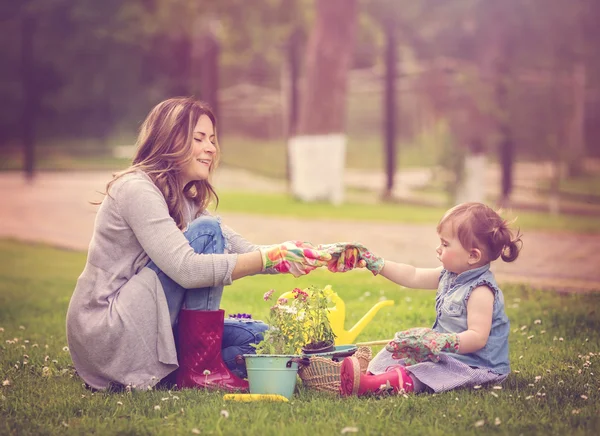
(164, 147)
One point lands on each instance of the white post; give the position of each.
(317, 167)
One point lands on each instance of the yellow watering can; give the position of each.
(337, 318)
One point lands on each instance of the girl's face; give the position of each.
(451, 253)
(203, 150)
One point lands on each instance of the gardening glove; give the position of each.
(344, 256)
(294, 257)
(349, 255)
(421, 344)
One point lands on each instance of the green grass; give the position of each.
(35, 287)
(284, 205)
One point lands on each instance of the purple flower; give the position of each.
(240, 316)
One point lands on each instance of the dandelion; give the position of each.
(531, 337)
(64, 424)
(479, 423)
(529, 397)
(497, 387)
(477, 387)
(542, 332)
(157, 407)
(497, 421)
(195, 431)
(225, 414)
(537, 321)
(349, 430)
(520, 357)
(523, 327)
(1, 329)
(65, 348)
(560, 339)
(164, 399)
(6, 382)
(119, 403)
(575, 411)
(584, 397)
(494, 394)
(206, 372)
(21, 327)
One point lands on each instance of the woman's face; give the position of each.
(204, 151)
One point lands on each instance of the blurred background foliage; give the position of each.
(80, 75)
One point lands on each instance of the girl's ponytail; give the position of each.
(512, 247)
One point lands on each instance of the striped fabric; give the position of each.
(445, 375)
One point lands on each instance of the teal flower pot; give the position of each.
(273, 373)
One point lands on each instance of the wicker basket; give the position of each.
(323, 373)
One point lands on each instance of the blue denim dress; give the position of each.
(451, 316)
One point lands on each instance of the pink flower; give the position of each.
(268, 294)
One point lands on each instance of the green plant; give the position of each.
(297, 319)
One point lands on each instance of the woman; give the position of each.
(158, 261)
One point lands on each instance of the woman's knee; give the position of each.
(205, 235)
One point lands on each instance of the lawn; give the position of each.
(554, 349)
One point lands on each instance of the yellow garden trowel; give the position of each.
(246, 398)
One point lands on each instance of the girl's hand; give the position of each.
(344, 256)
(421, 344)
(294, 257)
(349, 255)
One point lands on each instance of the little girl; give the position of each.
(468, 343)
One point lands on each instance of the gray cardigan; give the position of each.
(118, 326)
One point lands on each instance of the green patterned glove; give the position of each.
(421, 344)
(294, 257)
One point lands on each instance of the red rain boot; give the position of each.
(355, 383)
(200, 335)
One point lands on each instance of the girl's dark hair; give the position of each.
(479, 226)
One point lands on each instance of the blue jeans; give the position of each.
(206, 237)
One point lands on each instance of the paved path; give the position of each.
(55, 209)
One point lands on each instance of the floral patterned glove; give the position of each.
(344, 256)
(294, 257)
(420, 344)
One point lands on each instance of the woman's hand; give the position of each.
(421, 344)
(294, 257)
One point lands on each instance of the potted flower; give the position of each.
(297, 319)
(313, 304)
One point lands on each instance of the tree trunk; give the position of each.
(328, 58)
(390, 108)
(30, 99)
(317, 152)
